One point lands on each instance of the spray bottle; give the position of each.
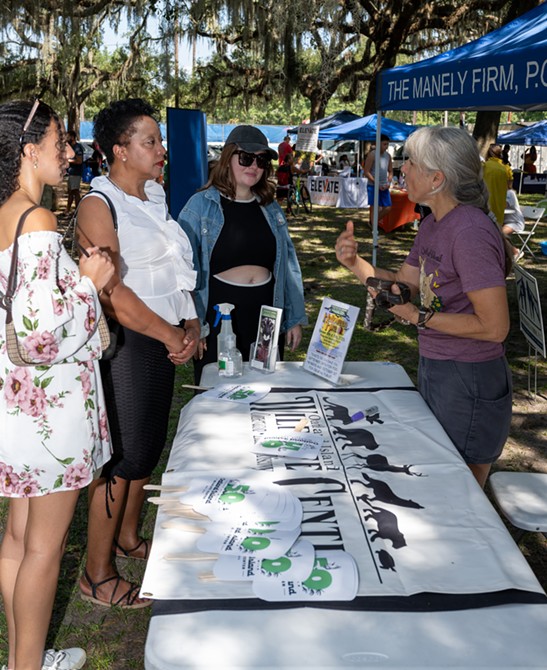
(230, 361)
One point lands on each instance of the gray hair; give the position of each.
(455, 153)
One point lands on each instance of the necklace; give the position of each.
(114, 184)
(143, 198)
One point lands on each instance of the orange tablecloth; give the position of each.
(402, 211)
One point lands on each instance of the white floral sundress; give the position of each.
(53, 425)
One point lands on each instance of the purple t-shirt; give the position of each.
(460, 253)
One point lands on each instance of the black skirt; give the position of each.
(138, 386)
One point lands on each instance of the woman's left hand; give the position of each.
(293, 337)
(407, 313)
(190, 342)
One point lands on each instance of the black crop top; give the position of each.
(245, 239)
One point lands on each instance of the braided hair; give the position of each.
(13, 116)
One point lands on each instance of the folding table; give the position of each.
(235, 633)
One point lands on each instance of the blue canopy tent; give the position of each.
(86, 130)
(364, 129)
(218, 132)
(534, 134)
(503, 70)
(336, 119)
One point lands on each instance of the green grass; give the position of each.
(113, 638)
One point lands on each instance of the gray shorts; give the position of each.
(74, 181)
(472, 402)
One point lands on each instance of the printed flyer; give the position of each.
(330, 340)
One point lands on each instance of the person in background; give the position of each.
(530, 158)
(75, 170)
(344, 162)
(243, 253)
(513, 221)
(356, 168)
(95, 161)
(458, 266)
(385, 177)
(150, 298)
(498, 178)
(303, 163)
(284, 149)
(53, 426)
(284, 176)
(505, 154)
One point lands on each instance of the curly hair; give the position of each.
(115, 124)
(223, 179)
(13, 116)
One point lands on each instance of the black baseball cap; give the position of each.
(250, 139)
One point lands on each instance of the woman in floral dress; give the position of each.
(53, 428)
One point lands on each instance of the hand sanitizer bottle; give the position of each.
(230, 361)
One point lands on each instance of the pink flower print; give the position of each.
(91, 321)
(63, 284)
(76, 476)
(9, 480)
(58, 306)
(44, 267)
(28, 487)
(86, 298)
(36, 404)
(18, 388)
(103, 426)
(86, 383)
(42, 347)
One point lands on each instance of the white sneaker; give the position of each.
(64, 659)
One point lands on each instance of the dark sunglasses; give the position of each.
(246, 159)
(29, 121)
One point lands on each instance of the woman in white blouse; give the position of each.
(150, 298)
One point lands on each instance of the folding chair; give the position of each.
(522, 497)
(533, 214)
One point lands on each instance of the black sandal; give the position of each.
(129, 596)
(127, 553)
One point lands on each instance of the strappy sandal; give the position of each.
(125, 601)
(127, 553)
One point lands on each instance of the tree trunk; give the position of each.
(318, 105)
(73, 118)
(486, 129)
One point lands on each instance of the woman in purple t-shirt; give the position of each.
(458, 266)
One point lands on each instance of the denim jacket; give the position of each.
(202, 219)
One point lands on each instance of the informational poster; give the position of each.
(330, 340)
(529, 302)
(307, 138)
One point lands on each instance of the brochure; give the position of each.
(329, 343)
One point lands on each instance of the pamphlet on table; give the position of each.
(329, 343)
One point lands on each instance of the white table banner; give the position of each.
(388, 487)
